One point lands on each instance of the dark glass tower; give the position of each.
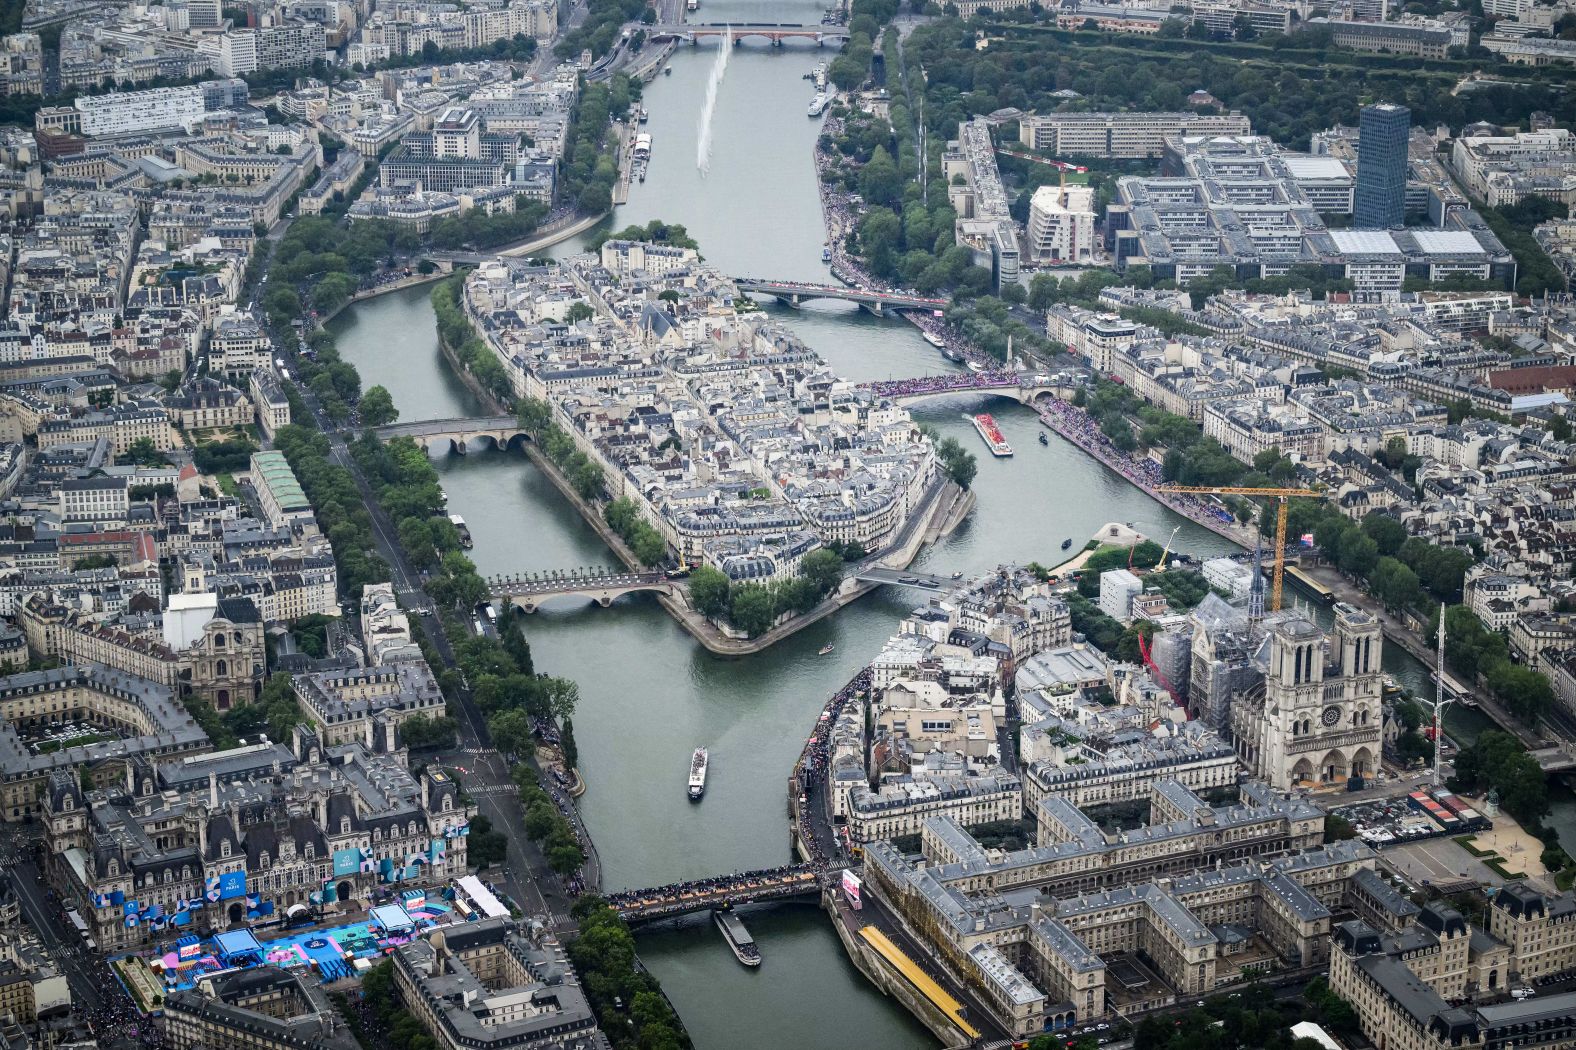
(1381, 166)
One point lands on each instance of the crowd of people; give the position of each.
(741, 887)
(811, 771)
(945, 383)
(1083, 430)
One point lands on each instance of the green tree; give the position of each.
(377, 407)
(710, 592)
(824, 569)
(752, 609)
(144, 453)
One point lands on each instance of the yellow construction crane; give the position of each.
(1281, 495)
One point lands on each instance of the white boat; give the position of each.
(934, 340)
(461, 528)
(697, 777)
(818, 104)
(975, 366)
(738, 938)
(986, 425)
(826, 649)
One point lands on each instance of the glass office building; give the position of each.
(1381, 166)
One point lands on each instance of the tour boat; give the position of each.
(825, 649)
(826, 253)
(738, 938)
(1068, 542)
(986, 425)
(461, 528)
(818, 104)
(697, 778)
(1043, 439)
(934, 340)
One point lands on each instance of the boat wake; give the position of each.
(719, 69)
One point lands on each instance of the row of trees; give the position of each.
(628, 1001)
(582, 472)
(1191, 458)
(456, 332)
(407, 488)
(1479, 654)
(755, 607)
(341, 515)
(642, 538)
(589, 167)
(477, 229)
(546, 825)
(1402, 571)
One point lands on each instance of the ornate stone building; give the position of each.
(216, 840)
(1315, 716)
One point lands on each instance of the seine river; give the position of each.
(649, 693)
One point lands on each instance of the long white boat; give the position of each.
(818, 103)
(697, 777)
(738, 937)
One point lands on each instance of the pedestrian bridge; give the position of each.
(527, 592)
(457, 435)
(1020, 387)
(726, 891)
(776, 32)
(792, 293)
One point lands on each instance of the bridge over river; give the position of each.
(528, 592)
(776, 32)
(792, 293)
(723, 891)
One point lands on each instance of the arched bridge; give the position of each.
(1018, 386)
(456, 434)
(527, 593)
(792, 293)
(724, 891)
(776, 32)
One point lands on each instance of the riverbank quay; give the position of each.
(885, 974)
(528, 876)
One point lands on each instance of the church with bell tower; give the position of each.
(1316, 716)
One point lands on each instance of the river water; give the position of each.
(649, 694)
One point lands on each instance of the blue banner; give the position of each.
(232, 884)
(346, 862)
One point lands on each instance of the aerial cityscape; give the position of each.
(651, 524)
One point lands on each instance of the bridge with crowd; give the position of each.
(775, 32)
(722, 891)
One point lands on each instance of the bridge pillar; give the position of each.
(873, 307)
(604, 600)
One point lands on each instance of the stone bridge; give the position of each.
(528, 592)
(1022, 388)
(457, 435)
(725, 891)
(792, 293)
(776, 32)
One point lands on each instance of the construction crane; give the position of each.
(1281, 495)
